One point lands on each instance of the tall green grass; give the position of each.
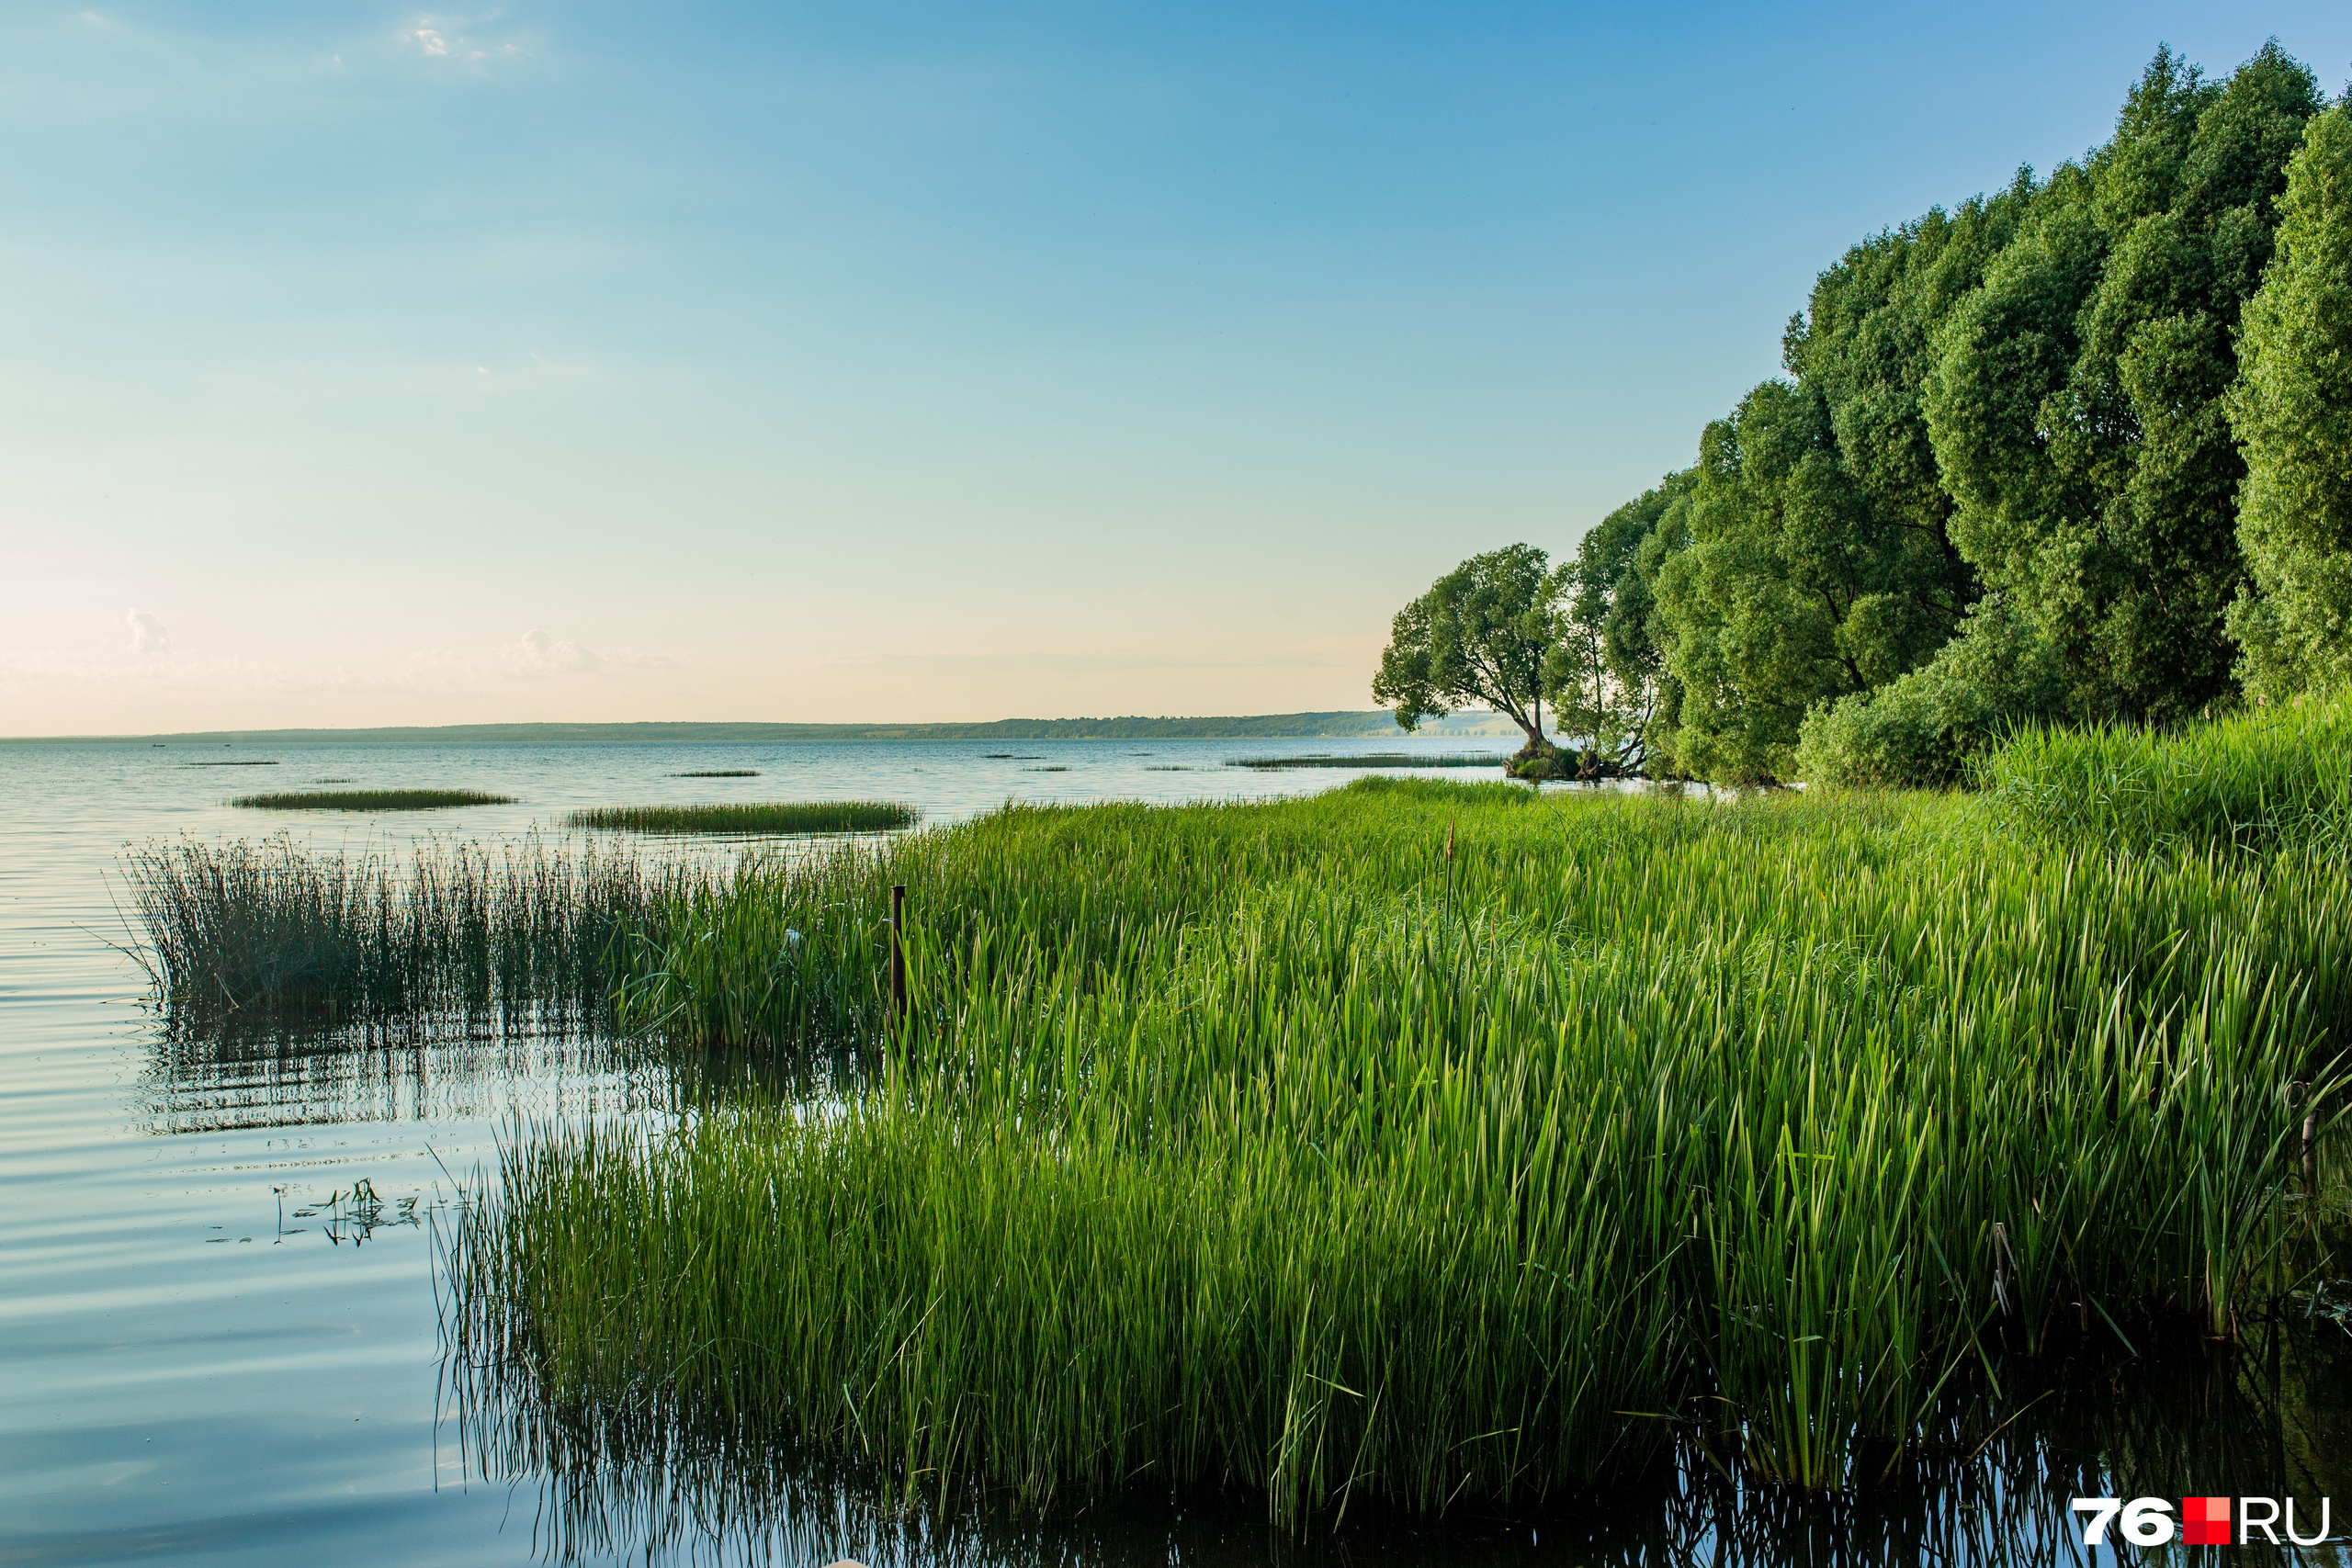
(270, 934)
(777, 818)
(2254, 781)
(1428, 1142)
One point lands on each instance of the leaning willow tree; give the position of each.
(1480, 635)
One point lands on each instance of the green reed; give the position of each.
(1428, 1141)
(271, 933)
(370, 799)
(2254, 781)
(1376, 759)
(776, 817)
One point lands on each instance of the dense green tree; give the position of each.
(1866, 344)
(2293, 411)
(1820, 560)
(1606, 678)
(2076, 407)
(1924, 727)
(1479, 635)
(1796, 586)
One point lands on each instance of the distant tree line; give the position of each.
(2078, 450)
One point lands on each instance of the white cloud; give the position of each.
(148, 633)
(538, 653)
(457, 40)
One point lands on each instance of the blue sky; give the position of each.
(362, 365)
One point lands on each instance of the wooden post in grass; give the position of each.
(898, 954)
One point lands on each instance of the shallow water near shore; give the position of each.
(218, 1330)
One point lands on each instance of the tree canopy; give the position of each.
(2292, 410)
(1479, 635)
(2076, 408)
(2002, 477)
(2079, 449)
(1606, 678)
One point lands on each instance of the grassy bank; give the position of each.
(1432, 1142)
(779, 817)
(370, 799)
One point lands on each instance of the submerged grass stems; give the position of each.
(778, 817)
(1430, 1142)
(370, 799)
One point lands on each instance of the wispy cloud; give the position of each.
(1082, 662)
(148, 633)
(537, 653)
(461, 41)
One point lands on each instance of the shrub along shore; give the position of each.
(1430, 1142)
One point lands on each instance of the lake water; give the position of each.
(219, 1332)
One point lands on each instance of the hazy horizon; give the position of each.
(370, 366)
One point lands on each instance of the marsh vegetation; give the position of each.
(1373, 759)
(370, 799)
(1419, 1142)
(244, 936)
(772, 819)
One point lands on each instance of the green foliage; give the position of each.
(1606, 678)
(1479, 635)
(772, 817)
(1794, 588)
(1811, 556)
(2255, 782)
(1925, 728)
(2029, 396)
(371, 799)
(2292, 410)
(1410, 1141)
(2077, 405)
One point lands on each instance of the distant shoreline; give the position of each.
(1373, 724)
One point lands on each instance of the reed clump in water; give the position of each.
(1375, 760)
(370, 799)
(778, 817)
(1433, 1142)
(268, 934)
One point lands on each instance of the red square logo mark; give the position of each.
(2205, 1521)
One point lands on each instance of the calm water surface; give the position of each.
(217, 1323)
